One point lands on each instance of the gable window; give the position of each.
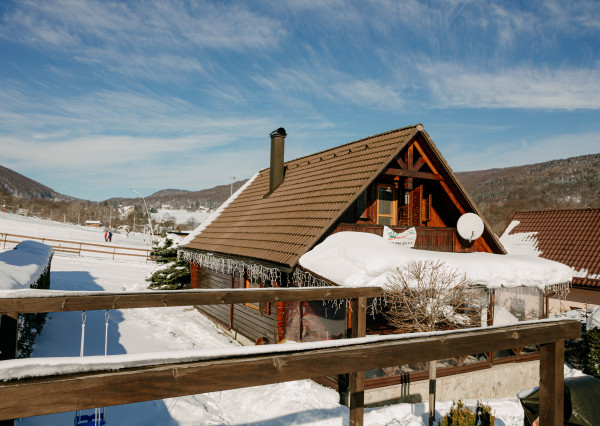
(385, 205)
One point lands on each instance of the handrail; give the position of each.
(265, 365)
(32, 301)
(104, 387)
(77, 247)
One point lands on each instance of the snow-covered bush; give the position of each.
(173, 274)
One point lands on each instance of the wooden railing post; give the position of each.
(357, 378)
(552, 359)
(9, 333)
(9, 325)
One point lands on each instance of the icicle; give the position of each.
(306, 279)
(256, 273)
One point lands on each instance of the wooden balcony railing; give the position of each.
(428, 238)
(20, 397)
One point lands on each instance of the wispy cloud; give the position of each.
(457, 85)
(138, 37)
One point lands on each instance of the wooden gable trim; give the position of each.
(401, 163)
(445, 186)
(413, 174)
(417, 166)
(410, 170)
(489, 238)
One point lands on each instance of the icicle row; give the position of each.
(256, 273)
(306, 279)
(559, 290)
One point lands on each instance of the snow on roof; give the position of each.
(357, 258)
(520, 242)
(22, 266)
(216, 213)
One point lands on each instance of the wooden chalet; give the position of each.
(398, 178)
(571, 237)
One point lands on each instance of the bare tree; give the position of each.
(427, 296)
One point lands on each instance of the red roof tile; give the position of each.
(571, 237)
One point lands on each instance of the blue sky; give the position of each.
(98, 97)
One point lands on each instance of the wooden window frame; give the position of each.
(394, 215)
(263, 308)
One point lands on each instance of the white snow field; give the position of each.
(176, 329)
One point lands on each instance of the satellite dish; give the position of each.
(469, 226)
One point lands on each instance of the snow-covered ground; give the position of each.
(35, 227)
(175, 329)
(179, 216)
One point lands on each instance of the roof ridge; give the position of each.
(315, 154)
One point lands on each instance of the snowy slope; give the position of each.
(35, 227)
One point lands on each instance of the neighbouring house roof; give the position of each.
(317, 189)
(571, 237)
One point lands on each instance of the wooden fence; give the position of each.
(76, 247)
(260, 366)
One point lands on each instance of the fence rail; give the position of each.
(77, 247)
(67, 392)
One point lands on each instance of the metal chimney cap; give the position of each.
(278, 132)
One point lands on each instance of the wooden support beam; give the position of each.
(420, 163)
(442, 182)
(9, 333)
(357, 378)
(552, 398)
(63, 301)
(273, 364)
(401, 163)
(413, 174)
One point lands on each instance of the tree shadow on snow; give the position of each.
(61, 337)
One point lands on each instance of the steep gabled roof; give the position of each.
(315, 192)
(571, 237)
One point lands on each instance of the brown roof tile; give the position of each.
(315, 192)
(571, 237)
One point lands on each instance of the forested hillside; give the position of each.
(559, 184)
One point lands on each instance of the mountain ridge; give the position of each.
(572, 182)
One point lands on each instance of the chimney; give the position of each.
(276, 171)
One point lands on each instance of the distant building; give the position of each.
(571, 237)
(93, 223)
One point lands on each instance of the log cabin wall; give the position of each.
(252, 321)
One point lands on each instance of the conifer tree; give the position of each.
(174, 273)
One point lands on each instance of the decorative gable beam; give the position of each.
(401, 163)
(417, 166)
(413, 174)
(444, 185)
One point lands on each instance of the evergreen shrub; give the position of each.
(461, 415)
(174, 274)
